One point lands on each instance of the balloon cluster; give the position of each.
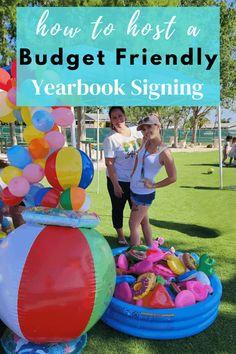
(45, 155)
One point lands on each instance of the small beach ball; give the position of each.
(47, 197)
(60, 283)
(75, 198)
(69, 167)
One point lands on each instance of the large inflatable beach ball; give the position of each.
(47, 197)
(69, 167)
(75, 198)
(60, 283)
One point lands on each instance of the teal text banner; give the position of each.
(96, 56)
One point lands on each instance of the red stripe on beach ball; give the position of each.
(58, 303)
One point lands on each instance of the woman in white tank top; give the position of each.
(149, 161)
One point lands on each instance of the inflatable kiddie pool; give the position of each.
(163, 324)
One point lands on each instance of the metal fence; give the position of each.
(204, 136)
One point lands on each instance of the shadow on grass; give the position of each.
(112, 240)
(226, 188)
(201, 187)
(209, 164)
(218, 338)
(228, 290)
(203, 164)
(188, 229)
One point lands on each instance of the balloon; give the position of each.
(56, 140)
(17, 115)
(10, 199)
(13, 82)
(55, 128)
(9, 118)
(39, 148)
(47, 197)
(18, 156)
(7, 68)
(19, 186)
(29, 197)
(40, 162)
(38, 108)
(11, 95)
(33, 173)
(56, 107)
(4, 80)
(10, 172)
(26, 115)
(5, 109)
(43, 121)
(63, 117)
(31, 133)
(62, 175)
(13, 69)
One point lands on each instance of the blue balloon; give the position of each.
(43, 121)
(17, 115)
(18, 156)
(7, 68)
(29, 199)
(6, 223)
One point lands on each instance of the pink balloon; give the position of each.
(33, 173)
(19, 186)
(11, 95)
(56, 140)
(63, 117)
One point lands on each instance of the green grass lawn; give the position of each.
(195, 215)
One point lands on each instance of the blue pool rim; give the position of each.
(163, 324)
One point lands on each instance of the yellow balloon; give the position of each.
(10, 172)
(4, 108)
(40, 162)
(26, 115)
(11, 105)
(9, 118)
(30, 133)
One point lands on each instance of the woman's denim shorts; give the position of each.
(142, 199)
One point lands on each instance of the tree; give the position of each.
(227, 55)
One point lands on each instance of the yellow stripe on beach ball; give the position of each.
(68, 167)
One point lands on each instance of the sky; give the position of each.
(225, 113)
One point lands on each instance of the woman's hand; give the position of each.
(118, 191)
(148, 183)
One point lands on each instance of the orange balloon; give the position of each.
(39, 148)
(55, 128)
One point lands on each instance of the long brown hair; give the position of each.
(113, 108)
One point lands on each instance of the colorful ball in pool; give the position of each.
(47, 197)
(69, 167)
(75, 198)
(61, 281)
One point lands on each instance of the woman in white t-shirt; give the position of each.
(151, 157)
(120, 148)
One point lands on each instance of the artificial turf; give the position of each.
(192, 214)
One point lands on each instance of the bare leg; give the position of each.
(138, 213)
(147, 233)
